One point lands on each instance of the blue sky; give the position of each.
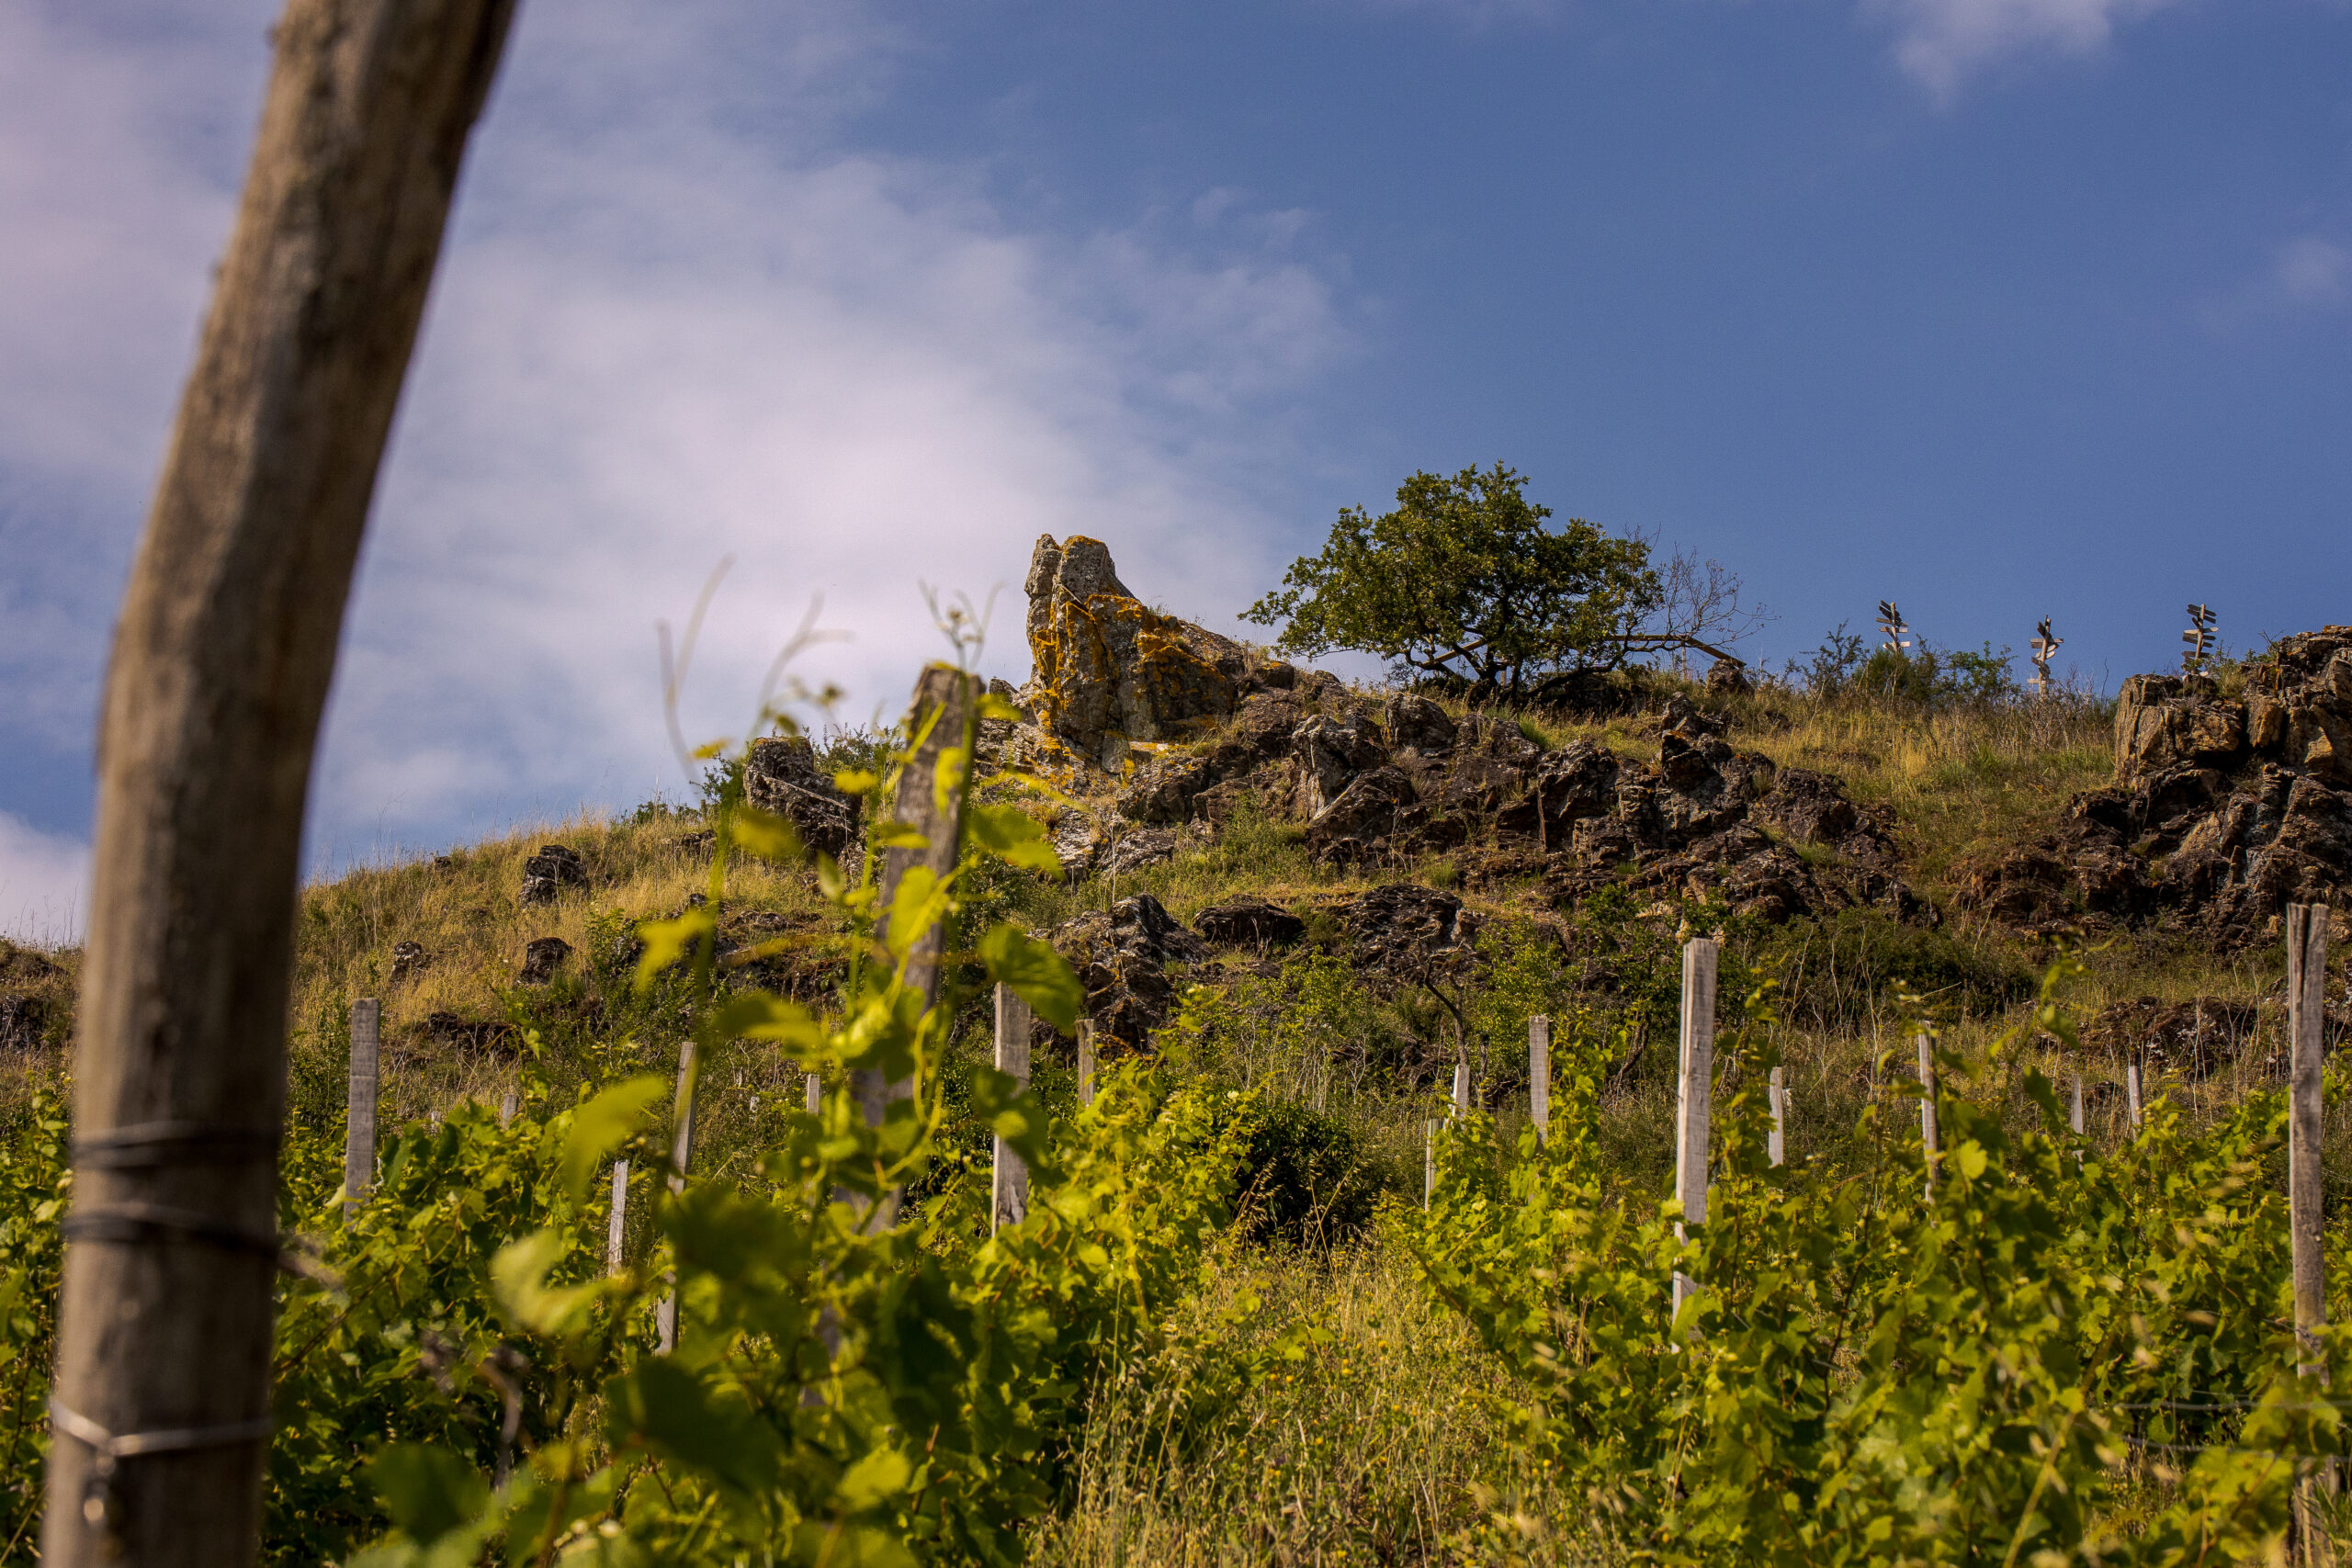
(1998, 308)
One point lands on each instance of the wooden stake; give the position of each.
(1086, 1061)
(682, 1148)
(1776, 1141)
(942, 699)
(506, 1108)
(1429, 1159)
(1010, 1188)
(1539, 1075)
(1694, 1087)
(2306, 1015)
(616, 1225)
(2132, 1091)
(814, 1088)
(1461, 1088)
(220, 666)
(1927, 1108)
(2075, 1121)
(360, 1118)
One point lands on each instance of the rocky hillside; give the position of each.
(1221, 813)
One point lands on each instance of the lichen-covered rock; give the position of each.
(409, 959)
(547, 872)
(781, 776)
(1164, 791)
(1108, 669)
(1133, 851)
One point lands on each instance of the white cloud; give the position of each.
(680, 318)
(44, 885)
(1941, 43)
(2303, 276)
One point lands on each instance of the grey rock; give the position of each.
(547, 872)
(542, 956)
(781, 777)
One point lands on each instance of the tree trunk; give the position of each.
(221, 665)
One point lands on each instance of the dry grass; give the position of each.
(1386, 1444)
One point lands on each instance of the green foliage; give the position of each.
(1308, 1181)
(1838, 972)
(35, 1183)
(1866, 1374)
(1464, 579)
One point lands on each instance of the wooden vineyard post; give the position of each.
(1429, 1159)
(1086, 1061)
(506, 1108)
(1460, 1089)
(2074, 1118)
(219, 669)
(936, 716)
(616, 1224)
(359, 1119)
(1776, 1092)
(812, 1088)
(682, 1148)
(1009, 1191)
(1539, 1075)
(2306, 1018)
(2132, 1091)
(1694, 1084)
(1927, 1108)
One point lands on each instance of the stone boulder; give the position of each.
(1133, 851)
(24, 1021)
(1122, 955)
(781, 777)
(1108, 669)
(547, 872)
(1250, 922)
(1403, 932)
(1330, 753)
(1371, 807)
(542, 957)
(1417, 724)
(409, 959)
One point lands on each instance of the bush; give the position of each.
(1306, 1181)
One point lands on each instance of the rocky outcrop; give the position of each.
(781, 777)
(1249, 922)
(1109, 671)
(409, 960)
(547, 872)
(1709, 821)
(1122, 955)
(1403, 932)
(2224, 809)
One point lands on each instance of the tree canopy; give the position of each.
(1464, 579)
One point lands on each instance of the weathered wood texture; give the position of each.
(1694, 1090)
(2306, 1017)
(359, 1107)
(1928, 1144)
(1009, 1186)
(943, 698)
(1539, 1075)
(1086, 1061)
(1776, 1142)
(616, 1222)
(682, 1154)
(221, 665)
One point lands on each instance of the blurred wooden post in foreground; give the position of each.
(360, 1114)
(1009, 1189)
(1086, 1061)
(681, 1152)
(1694, 1087)
(1539, 1075)
(2306, 1018)
(221, 665)
(943, 697)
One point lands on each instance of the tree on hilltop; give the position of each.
(1464, 579)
